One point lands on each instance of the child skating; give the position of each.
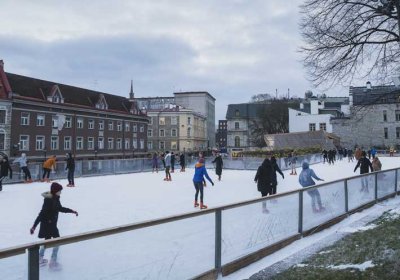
(199, 172)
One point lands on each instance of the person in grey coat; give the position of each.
(306, 180)
(23, 164)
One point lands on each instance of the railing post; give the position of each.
(346, 196)
(376, 186)
(395, 182)
(33, 263)
(301, 211)
(218, 239)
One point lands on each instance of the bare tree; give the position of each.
(348, 39)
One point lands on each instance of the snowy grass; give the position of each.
(372, 253)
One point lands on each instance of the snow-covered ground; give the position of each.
(114, 200)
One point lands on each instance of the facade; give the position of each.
(221, 135)
(176, 129)
(239, 119)
(315, 114)
(374, 119)
(45, 118)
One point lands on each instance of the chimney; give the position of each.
(369, 86)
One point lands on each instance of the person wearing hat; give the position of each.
(71, 169)
(199, 172)
(4, 168)
(48, 218)
(49, 164)
(23, 164)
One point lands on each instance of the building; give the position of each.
(221, 135)
(42, 118)
(240, 118)
(201, 104)
(176, 129)
(315, 113)
(374, 118)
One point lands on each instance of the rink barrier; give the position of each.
(239, 262)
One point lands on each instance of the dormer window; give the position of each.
(101, 103)
(55, 95)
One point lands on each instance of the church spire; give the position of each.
(131, 93)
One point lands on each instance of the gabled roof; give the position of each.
(31, 88)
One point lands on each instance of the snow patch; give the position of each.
(301, 265)
(325, 252)
(356, 229)
(361, 267)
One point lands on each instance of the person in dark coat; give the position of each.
(71, 169)
(48, 218)
(365, 164)
(218, 165)
(263, 179)
(182, 162)
(173, 162)
(4, 168)
(274, 179)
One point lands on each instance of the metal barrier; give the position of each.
(228, 237)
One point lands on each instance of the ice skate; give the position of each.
(55, 266)
(165, 179)
(43, 261)
(196, 204)
(203, 206)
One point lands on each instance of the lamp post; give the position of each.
(95, 153)
(45, 152)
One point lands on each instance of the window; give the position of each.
(134, 143)
(384, 115)
(141, 144)
(237, 141)
(101, 125)
(150, 121)
(173, 132)
(174, 120)
(90, 143)
(161, 121)
(134, 128)
(127, 146)
(161, 133)
(110, 125)
(322, 126)
(141, 128)
(119, 144)
(397, 115)
(398, 132)
(119, 126)
(40, 120)
(127, 127)
(91, 124)
(67, 143)
(54, 121)
(79, 143)
(2, 139)
(110, 143)
(24, 142)
(237, 113)
(24, 118)
(189, 132)
(189, 120)
(100, 143)
(68, 122)
(173, 145)
(385, 132)
(79, 123)
(40, 143)
(2, 116)
(312, 126)
(236, 125)
(161, 145)
(54, 143)
(149, 133)
(150, 145)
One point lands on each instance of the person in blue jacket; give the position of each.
(199, 172)
(306, 179)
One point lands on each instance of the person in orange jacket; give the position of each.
(49, 164)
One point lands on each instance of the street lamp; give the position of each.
(95, 152)
(45, 152)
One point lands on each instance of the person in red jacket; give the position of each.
(48, 218)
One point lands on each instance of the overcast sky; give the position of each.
(232, 49)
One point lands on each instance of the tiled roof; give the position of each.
(36, 89)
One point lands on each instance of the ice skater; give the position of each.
(71, 169)
(154, 162)
(182, 162)
(4, 168)
(48, 218)
(22, 161)
(200, 172)
(219, 163)
(306, 180)
(365, 164)
(49, 164)
(292, 162)
(167, 167)
(263, 179)
(275, 168)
